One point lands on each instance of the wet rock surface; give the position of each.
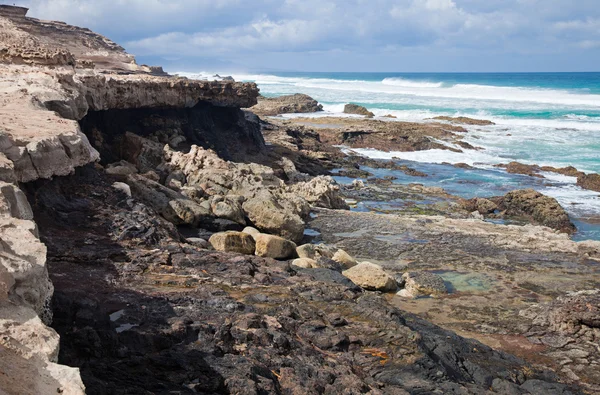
(357, 110)
(138, 311)
(492, 272)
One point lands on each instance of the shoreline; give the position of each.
(159, 238)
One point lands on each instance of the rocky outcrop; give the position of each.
(290, 104)
(28, 347)
(371, 277)
(541, 209)
(422, 284)
(569, 329)
(357, 110)
(464, 120)
(589, 181)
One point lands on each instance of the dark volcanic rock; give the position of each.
(541, 209)
(140, 312)
(358, 110)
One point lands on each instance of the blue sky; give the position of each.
(350, 35)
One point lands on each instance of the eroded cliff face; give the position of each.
(51, 76)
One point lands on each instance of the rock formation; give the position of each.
(357, 110)
(127, 172)
(290, 104)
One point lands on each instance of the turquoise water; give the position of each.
(540, 118)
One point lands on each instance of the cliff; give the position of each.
(51, 76)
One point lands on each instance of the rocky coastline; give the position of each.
(166, 235)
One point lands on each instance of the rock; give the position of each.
(121, 168)
(228, 207)
(268, 215)
(371, 277)
(121, 186)
(521, 168)
(344, 259)
(315, 251)
(358, 110)
(305, 263)
(481, 205)
(172, 205)
(251, 231)
(589, 181)
(197, 241)
(531, 204)
(298, 103)
(464, 120)
(274, 246)
(306, 251)
(423, 284)
(232, 241)
(321, 191)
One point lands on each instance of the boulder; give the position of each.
(371, 277)
(481, 205)
(422, 284)
(543, 210)
(305, 263)
(121, 168)
(298, 103)
(321, 191)
(251, 231)
(172, 205)
(270, 216)
(232, 241)
(274, 246)
(228, 207)
(358, 110)
(589, 181)
(121, 186)
(198, 242)
(315, 251)
(344, 259)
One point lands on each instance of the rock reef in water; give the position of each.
(464, 120)
(289, 104)
(357, 110)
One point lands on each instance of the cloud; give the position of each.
(374, 30)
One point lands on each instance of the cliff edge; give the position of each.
(51, 76)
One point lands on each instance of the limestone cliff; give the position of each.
(51, 76)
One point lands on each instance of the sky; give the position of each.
(344, 35)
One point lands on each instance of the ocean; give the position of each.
(541, 118)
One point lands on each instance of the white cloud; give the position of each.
(238, 29)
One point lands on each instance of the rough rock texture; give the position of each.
(269, 204)
(233, 242)
(289, 104)
(276, 247)
(344, 259)
(569, 328)
(140, 312)
(464, 120)
(371, 277)
(422, 284)
(358, 110)
(481, 205)
(28, 348)
(542, 209)
(589, 181)
(41, 144)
